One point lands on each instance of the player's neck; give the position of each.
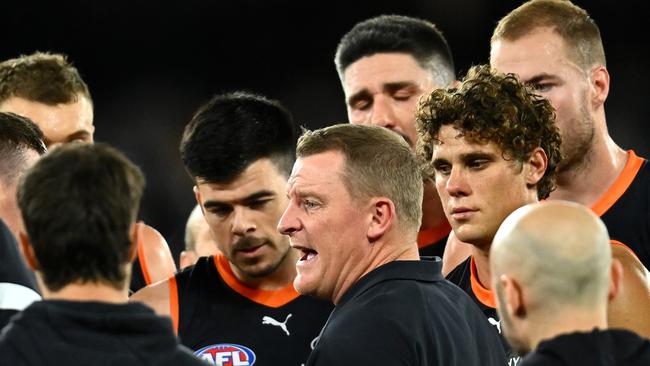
(433, 215)
(481, 257)
(282, 277)
(588, 181)
(88, 292)
(565, 322)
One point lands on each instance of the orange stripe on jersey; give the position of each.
(273, 299)
(173, 302)
(619, 244)
(620, 185)
(141, 257)
(427, 237)
(485, 296)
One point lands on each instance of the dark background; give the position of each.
(150, 64)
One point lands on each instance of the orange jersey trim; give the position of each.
(619, 244)
(427, 237)
(173, 302)
(273, 299)
(141, 257)
(620, 185)
(485, 296)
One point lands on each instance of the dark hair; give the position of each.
(17, 136)
(492, 107)
(232, 131)
(78, 203)
(41, 77)
(398, 34)
(572, 23)
(378, 162)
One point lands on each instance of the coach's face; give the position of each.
(327, 225)
(384, 90)
(243, 215)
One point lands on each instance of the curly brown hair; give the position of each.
(492, 107)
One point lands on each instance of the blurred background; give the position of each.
(150, 65)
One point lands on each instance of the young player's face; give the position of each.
(326, 225)
(60, 123)
(541, 60)
(384, 90)
(243, 216)
(478, 188)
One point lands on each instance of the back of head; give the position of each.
(579, 32)
(492, 107)
(232, 131)
(18, 136)
(378, 163)
(398, 34)
(560, 253)
(41, 77)
(78, 204)
(193, 221)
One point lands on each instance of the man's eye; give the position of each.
(477, 164)
(256, 205)
(310, 205)
(541, 87)
(220, 211)
(360, 105)
(442, 169)
(402, 95)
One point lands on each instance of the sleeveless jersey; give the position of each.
(139, 271)
(465, 277)
(432, 242)
(625, 207)
(223, 321)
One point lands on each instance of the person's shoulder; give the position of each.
(156, 296)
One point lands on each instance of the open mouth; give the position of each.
(251, 250)
(308, 254)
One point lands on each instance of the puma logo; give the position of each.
(283, 325)
(496, 323)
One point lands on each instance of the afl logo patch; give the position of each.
(226, 354)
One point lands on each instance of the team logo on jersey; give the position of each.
(496, 323)
(226, 354)
(282, 325)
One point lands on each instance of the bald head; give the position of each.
(558, 251)
(198, 239)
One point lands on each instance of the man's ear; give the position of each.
(135, 235)
(28, 251)
(197, 195)
(599, 85)
(615, 278)
(382, 215)
(513, 296)
(537, 163)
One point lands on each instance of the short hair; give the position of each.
(234, 130)
(398, 34)
(378, 162)
(572, 23)
(18, 135)
(190, 228)
(41, 77)
(78, 203)
(492, 107)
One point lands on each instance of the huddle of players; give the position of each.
(489, 148)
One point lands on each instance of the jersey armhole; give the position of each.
(141, 256)
(173, 302)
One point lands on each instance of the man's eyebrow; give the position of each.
(251, 197)
(477, 155)
(539, 77)
(399, 85)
